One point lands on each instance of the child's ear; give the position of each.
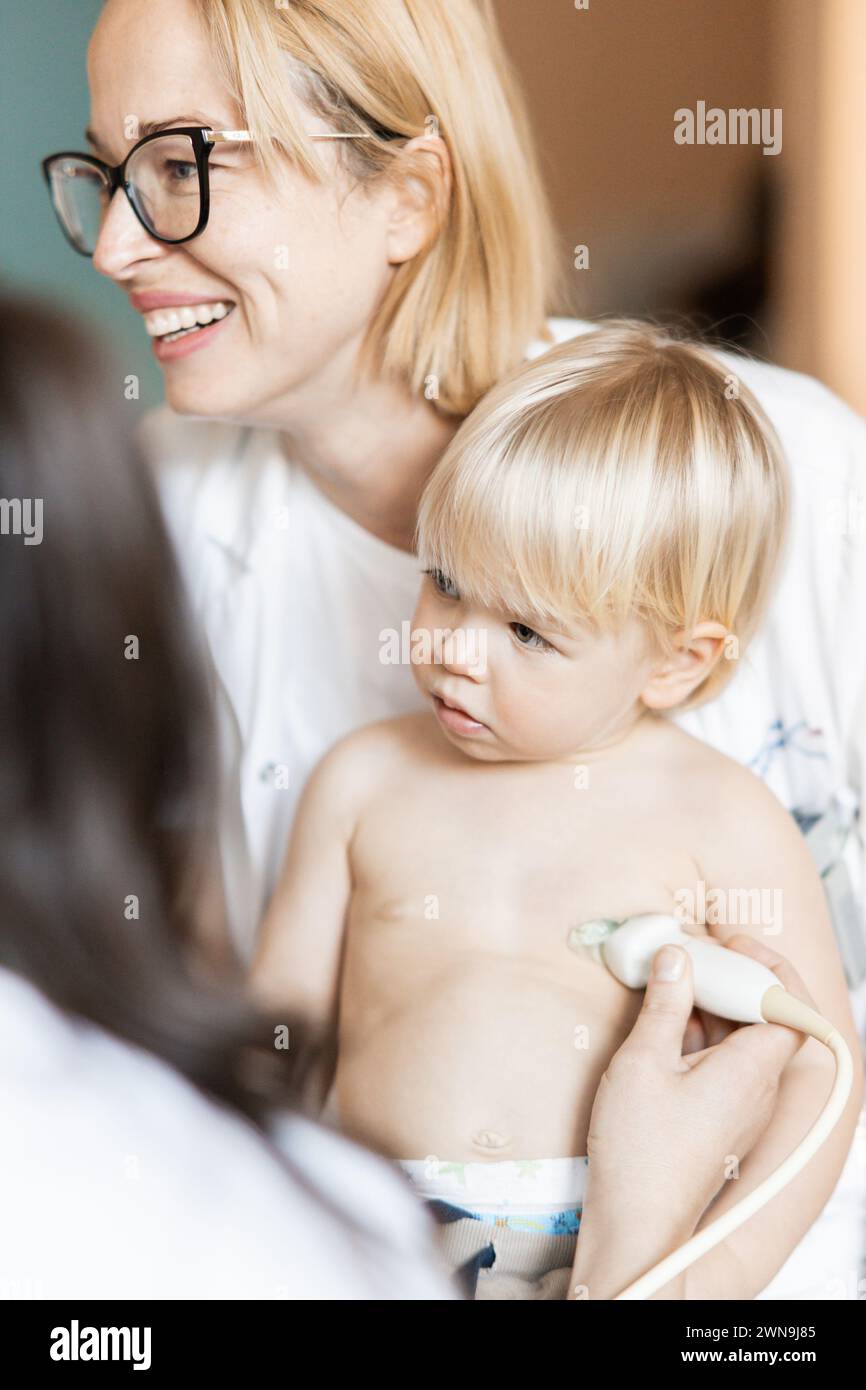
(679, 672)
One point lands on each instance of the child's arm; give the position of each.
(757, 845)
(297, 964)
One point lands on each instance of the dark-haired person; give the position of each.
(137, 1088)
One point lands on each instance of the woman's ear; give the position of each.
(420, 188)
(681, 671)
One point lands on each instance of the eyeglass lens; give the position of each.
(162, 183)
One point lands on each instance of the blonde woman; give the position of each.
(339, 244)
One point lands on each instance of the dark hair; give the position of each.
(106, 773)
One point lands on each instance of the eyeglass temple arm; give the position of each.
(215, 136)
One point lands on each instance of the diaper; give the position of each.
(539, 1195)
(507, 1230)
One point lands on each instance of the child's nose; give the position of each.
(464, 652)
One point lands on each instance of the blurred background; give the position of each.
(767, 250)
(763, 250)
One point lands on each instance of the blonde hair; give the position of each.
(623, 473)
(459, 315)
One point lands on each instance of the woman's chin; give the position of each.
(225, 394)
(198, 395)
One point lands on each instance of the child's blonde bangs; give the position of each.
(536, 522)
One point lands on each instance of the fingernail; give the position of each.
(669, 963)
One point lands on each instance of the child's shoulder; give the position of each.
(699, 770)
(373, 751)
(723, 801)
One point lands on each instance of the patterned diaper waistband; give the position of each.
(536, 1194)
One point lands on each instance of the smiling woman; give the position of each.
(363, 218)
(319, 225)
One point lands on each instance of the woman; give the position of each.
(358, 294)
(153, 1142)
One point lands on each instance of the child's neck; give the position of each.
(613, 742)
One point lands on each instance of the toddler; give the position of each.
(598, 544)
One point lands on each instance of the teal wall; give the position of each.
(44, 107)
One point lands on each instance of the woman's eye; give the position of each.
(528, 637)
(180, 172)
(445, 585)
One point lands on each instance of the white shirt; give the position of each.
(119, 1179)
(294, 597)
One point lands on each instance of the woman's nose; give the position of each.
(123, 242)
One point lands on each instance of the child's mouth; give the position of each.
(456, 719)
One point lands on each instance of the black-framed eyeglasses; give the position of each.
(164, 177)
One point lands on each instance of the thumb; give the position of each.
(667, 1004)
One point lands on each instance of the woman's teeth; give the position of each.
(169, 324)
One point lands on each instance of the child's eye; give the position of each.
(528, 637)
(445, 585)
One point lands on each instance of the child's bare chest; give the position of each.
(513, 865)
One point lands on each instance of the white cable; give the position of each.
(778, 1007)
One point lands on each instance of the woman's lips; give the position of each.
(457, 720)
